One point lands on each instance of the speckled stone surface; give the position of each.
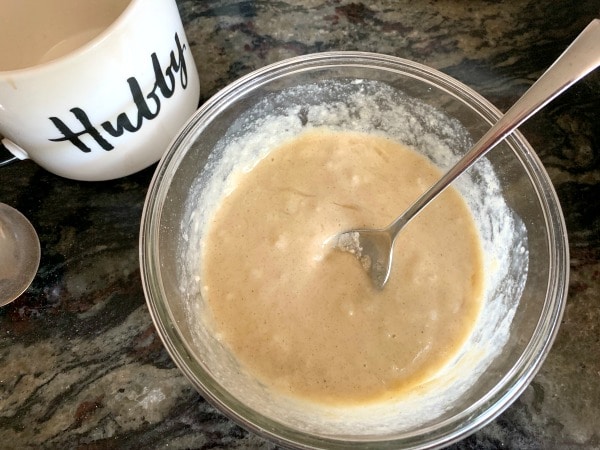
(81, 365)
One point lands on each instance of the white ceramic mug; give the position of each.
(109, 107)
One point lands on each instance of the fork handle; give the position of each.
(579, 59)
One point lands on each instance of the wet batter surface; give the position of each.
(304, 318)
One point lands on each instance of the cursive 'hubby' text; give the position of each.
(148, 106)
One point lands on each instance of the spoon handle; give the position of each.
(579, 59)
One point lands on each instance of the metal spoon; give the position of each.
(373, 247)
(19, 254)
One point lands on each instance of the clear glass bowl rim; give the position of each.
(443, 434)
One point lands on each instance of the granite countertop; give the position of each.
(81, 365)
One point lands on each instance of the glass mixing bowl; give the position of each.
(509, 193)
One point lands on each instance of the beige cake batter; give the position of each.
(304, 318)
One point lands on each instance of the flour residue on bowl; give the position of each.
(378, 109)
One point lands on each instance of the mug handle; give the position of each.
(10, 157)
